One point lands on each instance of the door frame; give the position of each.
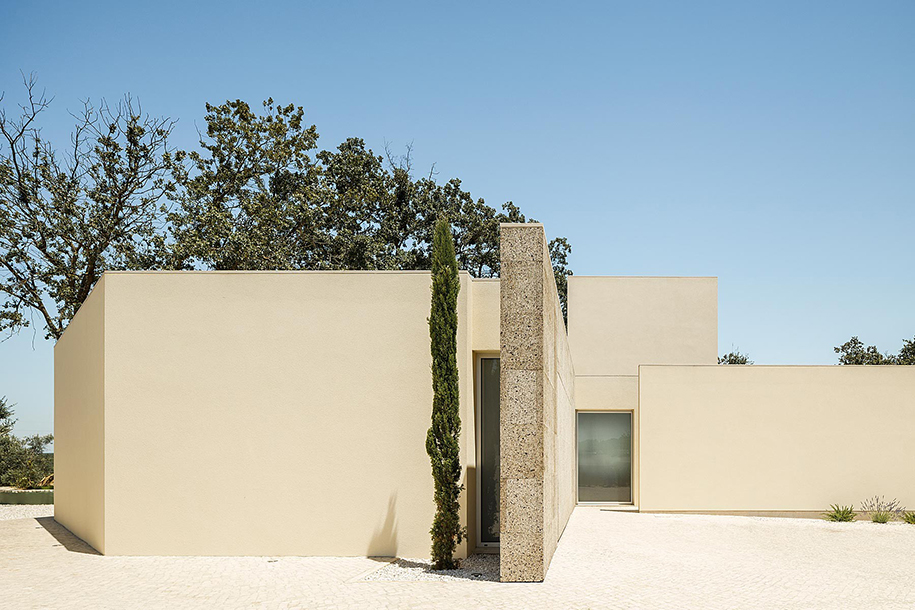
(478, 442)
(632, 449)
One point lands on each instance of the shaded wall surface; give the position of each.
(537, 408)
(267, 413)
(775, 438)
(79, 422)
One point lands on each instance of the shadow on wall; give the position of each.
(64, 537)
(469, 499)
(384, 539)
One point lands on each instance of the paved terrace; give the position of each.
(604, 560)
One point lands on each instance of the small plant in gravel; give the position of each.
(881, 510)
(840, 513)
(909, 517)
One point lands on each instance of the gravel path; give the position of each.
(475, 567)
(25, 511)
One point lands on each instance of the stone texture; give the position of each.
(521, 242)
(520, 452)
(537, 494)
(521, 557)
(521, 340)
(520, 499)
(549, 402)
(523, 282)
(523, 388)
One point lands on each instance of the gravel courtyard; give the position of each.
(604, 560)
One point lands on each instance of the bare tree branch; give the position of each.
(65, 220)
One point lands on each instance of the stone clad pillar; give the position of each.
(522, 427)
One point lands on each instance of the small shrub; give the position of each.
(23, 461)
(881, 516)
(909, 517)
(882, 511)
(839, 513)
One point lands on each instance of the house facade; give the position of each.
(285, 413)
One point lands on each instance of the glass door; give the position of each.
(605, 457)
(488, 455)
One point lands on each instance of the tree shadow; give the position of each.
(384, 538)
(475, 570)
(65, 537)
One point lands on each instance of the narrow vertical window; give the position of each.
(489, 451)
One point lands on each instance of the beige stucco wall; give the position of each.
(619, 323)
(537, 408)
(79, 420)
(775, 438)
(612, 393)
(273, 413)
(485, 322)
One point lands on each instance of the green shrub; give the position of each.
(882, 516)
(909, 517)
(23, 461)
(881, 510)
(839, 513)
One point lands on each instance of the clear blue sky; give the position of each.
(772, 145)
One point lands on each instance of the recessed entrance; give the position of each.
(488, 452)
(605, 457)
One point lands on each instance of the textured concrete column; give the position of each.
(521, 534)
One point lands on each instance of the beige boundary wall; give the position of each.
(537, 408)
(618, 323)
(257, 413)
(79, 422)
(775, 438)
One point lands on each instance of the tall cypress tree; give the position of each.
(442, 440)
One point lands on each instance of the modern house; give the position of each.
(285, 413)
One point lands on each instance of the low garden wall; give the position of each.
(775, 438)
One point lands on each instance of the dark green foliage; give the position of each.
(909, 517)
(23, 461)
(258, 194)
(907, 354)
(248, 201)
(258, 197)
(442, 440)
(840, 513)
(853, 351)
(735, 357)
(559, 255)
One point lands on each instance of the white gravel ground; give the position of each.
(25, 511)
(612, 560)
(475, 567)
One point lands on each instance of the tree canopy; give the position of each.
(854, 351)
(257, 194)
(735, 357)
(23, 461)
